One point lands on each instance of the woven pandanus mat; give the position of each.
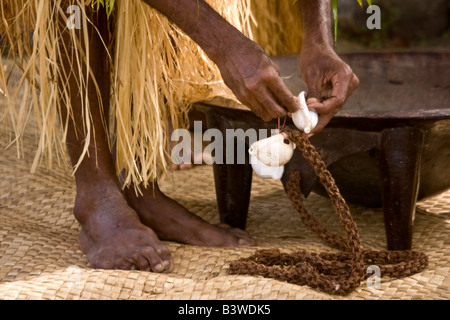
(40, 257)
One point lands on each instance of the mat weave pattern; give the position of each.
(40, 257)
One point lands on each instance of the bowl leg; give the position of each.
(233, 186)
(232, 179)
(401, 150)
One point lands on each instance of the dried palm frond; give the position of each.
(157, 72)
(33, 36)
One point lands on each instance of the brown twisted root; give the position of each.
(338, 273)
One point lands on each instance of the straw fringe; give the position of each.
(157, 73)
(33, 36)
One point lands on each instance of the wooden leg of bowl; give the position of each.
(233, 186)
(400, 168)
(232, 179)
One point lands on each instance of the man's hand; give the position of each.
(255, 80)
(245, 68)
(327, 77)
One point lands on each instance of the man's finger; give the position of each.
(283, 94)
(270, 104)
(354, 84)
(328, 108)
(314, 93)
(258, 108)
(339, 91)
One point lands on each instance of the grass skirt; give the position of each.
(155, 68)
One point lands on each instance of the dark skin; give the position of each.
(326, 75)
(120, 230)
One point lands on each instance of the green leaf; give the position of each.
(335, 16)
(109, 7)
(107, 4)
(369, 2)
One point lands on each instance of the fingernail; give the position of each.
(312, 100)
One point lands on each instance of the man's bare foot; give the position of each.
(173, 222)
(198, 157)
(112, 236)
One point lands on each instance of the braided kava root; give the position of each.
(334, 273)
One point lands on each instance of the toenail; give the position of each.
(244, 242)
(166, 265)
(159, 268)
